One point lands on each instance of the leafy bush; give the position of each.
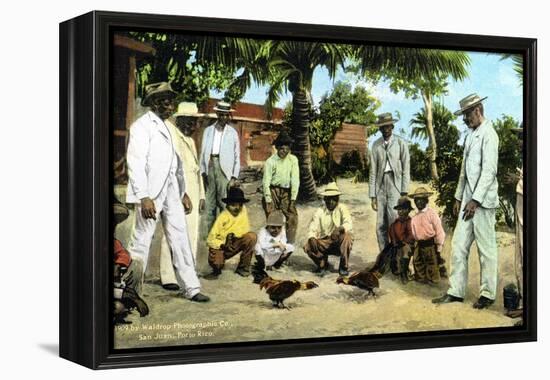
(420, 164)
(353, 165)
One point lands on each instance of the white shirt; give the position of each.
(218, 135)
(264, 246)
(388, 168)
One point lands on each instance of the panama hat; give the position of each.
(403, 203)
(421, 192)
(223, 107)
(155, 89)
(469, 102)
(276, 218)
(385, 119)
(188, 109)
(235, 195)
(331, 190)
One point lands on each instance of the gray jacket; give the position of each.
(397, 153)
(479, 166)
(230, 151)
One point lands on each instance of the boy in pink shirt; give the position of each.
(428, 232)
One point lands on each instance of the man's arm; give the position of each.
(237, 154)
(489, 165)
(372, 173)
(405, 162)
(294, 179)
(202, 154)
(266, 180)
(136, 159)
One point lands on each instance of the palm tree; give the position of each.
(418, 72)
(518, 64)
(289, 65)
(441, 118)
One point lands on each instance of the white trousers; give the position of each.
(175, 229)
(480, 228)
(518, 262)
(167, 274)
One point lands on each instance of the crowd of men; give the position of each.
(169, 179)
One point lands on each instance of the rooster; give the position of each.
(366, 280)
(280, 290)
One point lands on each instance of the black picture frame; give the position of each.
(85, 188)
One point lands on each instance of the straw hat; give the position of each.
(155, 89)
(223, 107)
(276, 218)
(331, 190)
(421, 192)
(188, 109)
(469, 102)
(385, 119)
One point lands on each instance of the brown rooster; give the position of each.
(365, 280)
(280, 290)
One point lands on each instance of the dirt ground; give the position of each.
(239, 311)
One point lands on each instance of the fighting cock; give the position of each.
(366, 280)
(280, 290)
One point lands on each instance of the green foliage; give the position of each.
(448, 158)
(353, 165)
(321, 167)
(420, 164)
(509, 159)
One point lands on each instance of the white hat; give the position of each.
(331, 190)
(469, 102)
(188, 109)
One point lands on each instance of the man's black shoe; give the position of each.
(172, 287)
(483, 302)
(343, 272)
(199, 297)
(214, 275)
(447, 298)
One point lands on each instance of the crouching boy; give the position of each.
(272, 248)
(230, 235)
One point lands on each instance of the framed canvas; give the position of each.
(236, 189)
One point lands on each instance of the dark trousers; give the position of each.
(243, 245)
(341, 246)
(280, 198)
(426, 265)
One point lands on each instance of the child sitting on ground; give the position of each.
(272, 248)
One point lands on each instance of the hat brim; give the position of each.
(330, 193)
(223, 110)
(146, 102)
(461, 111)
(235, 200)
(387, 122)
(421, 195)
(182, 114)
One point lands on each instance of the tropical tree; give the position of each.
(518, 64)
(418, 73)
(289, 65)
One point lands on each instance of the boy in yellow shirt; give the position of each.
(230, 235)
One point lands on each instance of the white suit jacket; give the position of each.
(149, 157)
(230, 151)
(397, 154)
(479, 166)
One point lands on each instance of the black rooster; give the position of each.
(366, 280)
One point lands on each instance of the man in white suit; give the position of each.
(186, 122)
(476, 203)
(220, 161)
(156, 185)
(389, 176)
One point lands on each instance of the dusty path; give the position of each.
(239, 311)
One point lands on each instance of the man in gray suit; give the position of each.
(476, 203)
(389, 176)
(220, 161)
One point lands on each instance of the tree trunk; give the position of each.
(301, 148)
(426, 96)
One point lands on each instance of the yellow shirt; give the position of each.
(226, 224)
